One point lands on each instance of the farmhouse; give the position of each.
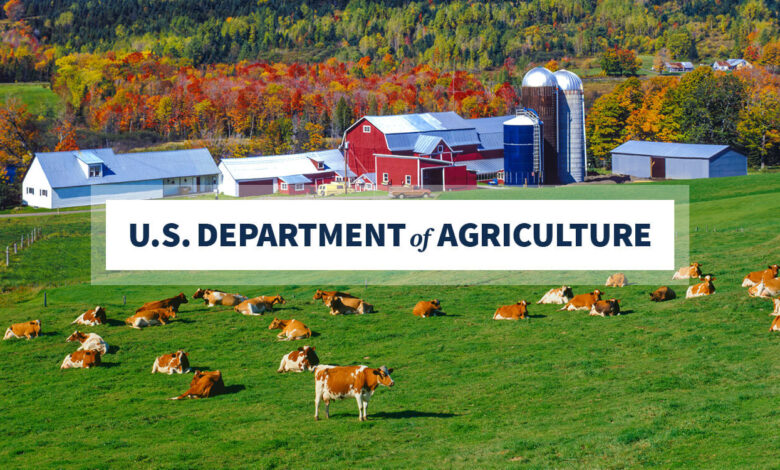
(288, 174)
(88, 177)
(677, 161)
(678, 66)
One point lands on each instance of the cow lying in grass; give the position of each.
(29, 329)
(175, 363)
(560, 295)
(92, 317)
(757, 276)
(323, 294)
(583, 301)
(766, 289)
(338, 382)
(83, 359)
(259, 305)
(291, 329)
(604, 308)
(151, 317)
(300, 360)
(706, 287)
(776, 311)
(89, 342)
(425, 309)
(662, 294)
(173, 302)
(616, 280)
(518, 311)
(688, 272)
(214, 297)
(345, 305)
(204, 385)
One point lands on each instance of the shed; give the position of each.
(643, 159)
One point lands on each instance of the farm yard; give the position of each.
(683, 383)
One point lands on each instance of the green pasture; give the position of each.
(38, 97)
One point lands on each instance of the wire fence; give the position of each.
(26, 240)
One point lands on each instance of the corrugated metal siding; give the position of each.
(668, 149)
(686, 168)
(631, 165)
(99, 194)
(730, 163)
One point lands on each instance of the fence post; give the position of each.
(124, 300)
(7, 259)
(14, 247)
(45, 302)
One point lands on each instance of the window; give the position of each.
(320, 166)
(408, 179)
(299, 186)
(385, 178)
(369, 186)
(366, 129)
(339, 178)
(44, 193)
(284, 186)
(94, 171)
(30, 190)
(440, 149)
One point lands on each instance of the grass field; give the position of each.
(38, 97)
(686, 383)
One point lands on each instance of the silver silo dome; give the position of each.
(571, 128)
(539, 77)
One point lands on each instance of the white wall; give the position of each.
(36, 179)
(227, 185)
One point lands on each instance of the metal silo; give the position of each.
(540, 93)
(571, 128)
(523, 149)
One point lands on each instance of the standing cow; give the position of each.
(338, 382)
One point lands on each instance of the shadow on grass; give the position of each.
(405, 414)
(113, 322)
(113, 349)
(537, 316)
(49, 333)
(231, 389)
(109, 365)
(184, 320)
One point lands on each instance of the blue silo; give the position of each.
(523, 150)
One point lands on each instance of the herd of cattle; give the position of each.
(337, 382)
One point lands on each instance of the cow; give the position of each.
(518, 311)
(344, 305)
(338, 382)
(174, 302)
(178, 362)
(300, 360)
(776, 312)
(775, 326)
(616, 280)
(605, 308)
(92, 317)
(688, 272)
(89, 342)
(766, 289)
(425, 309)
(204, 385)
(561, 295)
(756, 276)
(256, 306)
(322, 294)
(662, 293)
(291, 329)
(30, 329)
(158, 316)
(215, 297)
(583, 301)
(81, 359)
(703, 288)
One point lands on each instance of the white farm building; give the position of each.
(88, 177)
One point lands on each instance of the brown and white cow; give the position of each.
(561, 295)
(604, 308)
(688, 272)
(204, 385)
(662, 294)
(215, 297)
(174, 302)
(82, 359)
(775, 326)
(344, 305)
(153, 317)
(174, 363)
(300, 360)
(756, 276)
(776, 312)
(291, 329)
(322, 294)
(518, 311)
(338, 382)
(616, 280)
(706, 287)
(92, 317)
(425, 308)
(89, 342)
(766, 289)
(583, 301)
(29, 329)
(256, 306)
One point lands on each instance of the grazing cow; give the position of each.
(605, 308)
(81, 359)
(204, 385)
(661, 294)
(291, 329)
(322, 294)
(425, 309)
(775, 326)
(344, 305)
(518, 311)
(688, 272)
(616, 280)
(337, 382)
(703, 288)
(766, 289)
(756, 276)
(92, 317)
(30, 329)
(178, 362)
(158, 316)
(216, 297)
(89, 342)
(174, 302)
(776, 312)
(561, 295)
(302, 359)
(583, 301)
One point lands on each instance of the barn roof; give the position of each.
(490, 131)
(426, 144)
(63, 170)
(295, 179)
(489, 165)
(425, 122)
(669, 149)
(275, 166)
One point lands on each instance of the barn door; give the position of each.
(658, 168)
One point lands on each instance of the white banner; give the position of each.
(355, 235)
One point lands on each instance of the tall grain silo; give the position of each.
(571, 128)
(540, 93)
(523, 150)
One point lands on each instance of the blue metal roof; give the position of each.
(490, 165)
(669, 149)
(425, 122)
(426, 144)
(88, 157)
(295, 179)
(62, 169)
(370, 177)
(275, 166)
